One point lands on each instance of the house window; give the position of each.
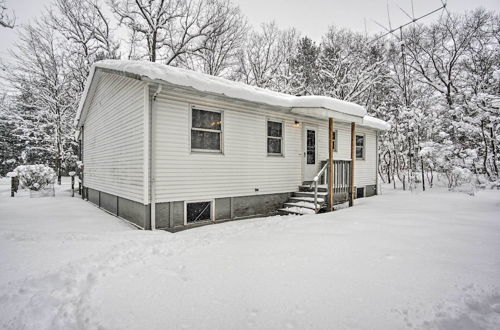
(198, 212)
(360, 146)
(335, 132)
(274, 137)
(206, 130)
(360, 192)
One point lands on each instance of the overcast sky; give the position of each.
(310, 17)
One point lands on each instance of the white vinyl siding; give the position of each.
(114, 138)
(239, 171)
(245, 165)
(115, 161)
(365, 169)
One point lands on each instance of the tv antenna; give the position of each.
(390, 30)
(413, 19)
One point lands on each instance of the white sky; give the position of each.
(310, 17)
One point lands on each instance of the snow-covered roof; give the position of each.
(376, 123)
(217, 85)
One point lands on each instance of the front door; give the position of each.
(310, 153)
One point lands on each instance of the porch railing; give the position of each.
(341, 176)
(341, 179)
(315, 183)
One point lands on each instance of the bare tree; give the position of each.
(218, 52)
(171, 28)
(349, 66)
(7, 20)
(436, 51)
(150, 21)
(84, 25)
(263, 61)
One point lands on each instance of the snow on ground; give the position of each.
(400, 260)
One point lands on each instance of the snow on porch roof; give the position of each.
(217, 85)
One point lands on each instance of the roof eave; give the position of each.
(324, 113)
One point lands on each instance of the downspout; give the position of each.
(152, 169)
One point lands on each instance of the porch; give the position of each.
(313, 196)
(333, 184)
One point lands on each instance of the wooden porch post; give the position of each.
(330, 163)
(353, 160)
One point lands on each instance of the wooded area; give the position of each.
(438, 84)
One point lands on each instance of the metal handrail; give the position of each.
(315, 183)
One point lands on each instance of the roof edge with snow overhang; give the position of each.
(320, 105)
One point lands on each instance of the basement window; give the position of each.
(274, 138)
(206, 130)
(360, 192)
(198, 212)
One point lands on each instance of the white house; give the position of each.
(169, 148)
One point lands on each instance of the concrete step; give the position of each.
(306, 199)
(304, 204)
(296, 210)
(284, 211)
(321, 188)
(321, 194)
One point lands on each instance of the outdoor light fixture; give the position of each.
(296, 124)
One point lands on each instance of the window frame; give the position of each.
(212, 211)
(363, 191)
(336, 140)
(364, 146)
(314, 128)
(191, 128)
(282, 138)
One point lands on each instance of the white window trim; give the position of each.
(316, 140)
(364, 146)
(208, 151)
(212, 210)
(282, 154)
(336, 141)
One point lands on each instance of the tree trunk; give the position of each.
(494, 149)
(485, 159)
(152, 47)
(430, 177)
(58, 170)
(423, 173)
(389, 164)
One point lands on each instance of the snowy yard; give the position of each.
(400, 260)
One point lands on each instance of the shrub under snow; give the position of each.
(35, 177)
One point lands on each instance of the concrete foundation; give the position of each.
(170, 215)
(248, 206)
(109, 203)
(93, 196)
(370, 190)
(223, 208)
(135, 212)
